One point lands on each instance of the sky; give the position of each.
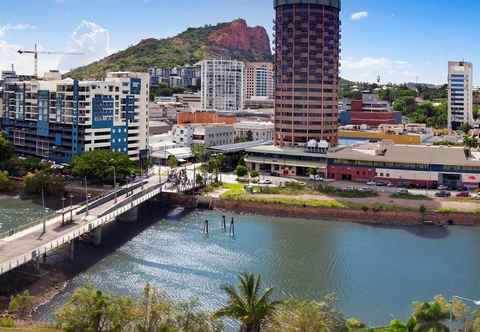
(400, 40)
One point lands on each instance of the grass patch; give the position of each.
(411, 197)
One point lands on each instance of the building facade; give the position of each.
(258, 80)
(369, 111)
(460, 94)
(254, 131)
(307, 42)
(213, 134)
(222, 84)
(58, 120)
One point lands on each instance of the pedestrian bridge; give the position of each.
(33, 242)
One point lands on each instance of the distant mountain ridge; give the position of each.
(233, 40)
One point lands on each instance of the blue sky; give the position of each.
(400, 40)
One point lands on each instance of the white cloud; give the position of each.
(16, 27)
(359, 16)
(368, 68)
(90, 39)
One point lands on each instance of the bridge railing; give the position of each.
(14, 230)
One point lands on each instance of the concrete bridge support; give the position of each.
(97, 236)
(129, 216)
(71, 250)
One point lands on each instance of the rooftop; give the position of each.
(237, 147)
(420, 154)
(286, 151)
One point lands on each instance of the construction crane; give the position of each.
(36, 52)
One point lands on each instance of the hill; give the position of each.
(233, 40)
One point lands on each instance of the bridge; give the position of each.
(33, 242)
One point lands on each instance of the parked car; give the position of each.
(367, 190)
(403, 192)
(349, 188)
(443, 193)
(371, 183)
(389, 184)
(442, 187)
(463, 194)
(381, 184)
(265, 181)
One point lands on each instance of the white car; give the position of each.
(265, 181)
(371, 183)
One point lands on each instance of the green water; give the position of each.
(15, 212)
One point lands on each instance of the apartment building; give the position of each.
(460, 94)
(59, 119)
(222, 85)
(258, 80)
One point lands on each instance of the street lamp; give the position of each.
(63, 210)
(114, 181)
(71, 207)
(475, 302)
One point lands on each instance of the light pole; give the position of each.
(475, 302)
(86, 194)
(63, 210)
(71, 207)
(44, 210)
(114, 181)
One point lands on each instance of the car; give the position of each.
(371, 183)
(389, 184)
(443, 193)
(349, 188)
(442, 187)
(475, 197)
(403, 192)
(265, 181)
(367, 190)
(463, 194)
(381, 184)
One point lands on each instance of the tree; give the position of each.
(215, 164)
(199, 151)
(49, 182)
(90, 310)
(97, 166)
(172, 162)
(6, 185)
(21, 304)
(6, 148)
(254, 174)
(246, 304)
(241, 171)
(430, 316)
(308, 316)
(405, 105)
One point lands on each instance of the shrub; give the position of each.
(6, 185)
(254, 174)
(21, 304)
(51, 183)
(7, 322)
(355, 324)
(241, 171)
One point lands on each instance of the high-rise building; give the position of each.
(258, 80)
(59, 119)
(460, 94)
(307, 51)
(222, 85)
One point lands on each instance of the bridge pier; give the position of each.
(129, 216)
(97, 236)
(71, 250)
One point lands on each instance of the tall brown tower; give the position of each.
(307, 53)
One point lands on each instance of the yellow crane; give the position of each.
(36, 52)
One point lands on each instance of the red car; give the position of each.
(463, 194)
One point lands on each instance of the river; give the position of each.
(375, 272)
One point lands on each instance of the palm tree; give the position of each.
(429, 316)
(246, 304)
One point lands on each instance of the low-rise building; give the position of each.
(370, 111)
(254, 131)
(407, 165)
(206, 134)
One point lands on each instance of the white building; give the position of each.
(222, 85)
(259, 131)
(208, 134)
(460, 94)
(59, 119)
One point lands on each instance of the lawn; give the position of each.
(411, 197)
